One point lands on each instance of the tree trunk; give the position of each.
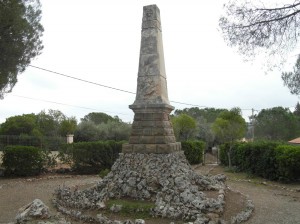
(229, 157)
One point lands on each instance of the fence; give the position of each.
(47, 143)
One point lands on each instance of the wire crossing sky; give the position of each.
(97, 44)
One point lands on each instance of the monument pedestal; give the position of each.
(152, 130)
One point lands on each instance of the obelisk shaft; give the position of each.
(152, 130)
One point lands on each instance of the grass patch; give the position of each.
(133, 208)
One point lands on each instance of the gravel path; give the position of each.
(273, 204)
(15, 193)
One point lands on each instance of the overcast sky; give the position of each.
(99, 41)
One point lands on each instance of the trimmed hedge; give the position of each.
(23, 160)
(193, 151)
(271, 160)
(91, 157)
(288, 161)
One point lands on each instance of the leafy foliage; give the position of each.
(114, 129)
(54, 123)
(229, 127)
(288, 160)
(277, 123)
(292, 79)
(91, 157)
(23, 160)
(271, 160)
(263, 27)
(98, 118)
(20, 39)
(184, 127)
(18, 125)
(204, 120)
(193, 151)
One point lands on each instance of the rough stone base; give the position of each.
(166, 179)
(152, 148)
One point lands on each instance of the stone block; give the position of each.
(138, 117)
(148, 117)
(163, 124)
(137, 132)
(147, 124)
(127, 148)
(139, 148)
(158, 131)
(134, 140)
(163, 148)
(159, 116)
(147, 131)
(136, 124)
(147, 140)
(161, 140)
(170, 139)
(150, 148)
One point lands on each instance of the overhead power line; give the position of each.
(70, 105)
(82, 80)
(110, 87)
(105, 86)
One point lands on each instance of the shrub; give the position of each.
(288, 161)
(91, 157)
(193, 151)
(22, 160)
(270, 160)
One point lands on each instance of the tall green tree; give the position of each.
(20, 39)
(229, 127)
(292, 79)
(68, 126)
(98, 117)
(184, 127)
(101, 126)
(276, 123)
(297, 110)
(204, 119)
(20, 125)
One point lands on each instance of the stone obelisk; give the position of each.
(152, 130)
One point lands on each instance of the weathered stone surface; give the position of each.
(152, 166)
(151, 123)
(33, 210)
(166, 179)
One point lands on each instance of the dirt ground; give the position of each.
(274, 203)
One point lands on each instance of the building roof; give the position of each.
(295, 141)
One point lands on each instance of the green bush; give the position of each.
(91, 157)
(288, 161)
(271, 160)
(193, 151)
(23, 160)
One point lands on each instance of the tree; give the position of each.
(264, 25)
(297, 110)
(277, 123)
(20, 125)
(68, 126)
(229, 127)
(20, 39)
(99, 118)
(204, 120)
(292, 79)
(101, 126)
(184, 127)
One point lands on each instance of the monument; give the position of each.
(152, 167)
(152, 130)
